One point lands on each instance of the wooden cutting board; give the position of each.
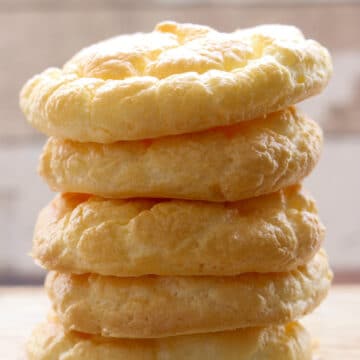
(335, 326)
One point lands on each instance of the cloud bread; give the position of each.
(271, 233)
(152, 306)
(180, 78)
(223, 164)
(49, 341)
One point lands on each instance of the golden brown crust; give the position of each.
(178, 79)
(226, 164)
(49, 341)
(271, 233)
(151, 306)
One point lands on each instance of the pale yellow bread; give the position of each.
(86, 234)
(49, 341)
(180, 78)
(224, 164)
(158, 306)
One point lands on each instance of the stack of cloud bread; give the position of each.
(180, 230)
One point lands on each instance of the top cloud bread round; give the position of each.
(180, 78)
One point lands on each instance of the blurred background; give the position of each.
(35, 34)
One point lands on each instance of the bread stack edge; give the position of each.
(181, 229)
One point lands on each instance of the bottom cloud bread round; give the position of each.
(155, 306)
(49, 341)
(271, 233)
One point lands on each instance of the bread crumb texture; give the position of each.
(223, 164)
(160, 306)
(50, 341)
(180, 78)
(86, 234)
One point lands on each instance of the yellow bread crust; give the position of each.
(85, 234)
(152, 306)
(49, 341)
(223, 164)
(178, 79)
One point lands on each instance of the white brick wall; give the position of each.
(22, 194)
(335, 185)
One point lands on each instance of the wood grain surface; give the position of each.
(334, 326)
